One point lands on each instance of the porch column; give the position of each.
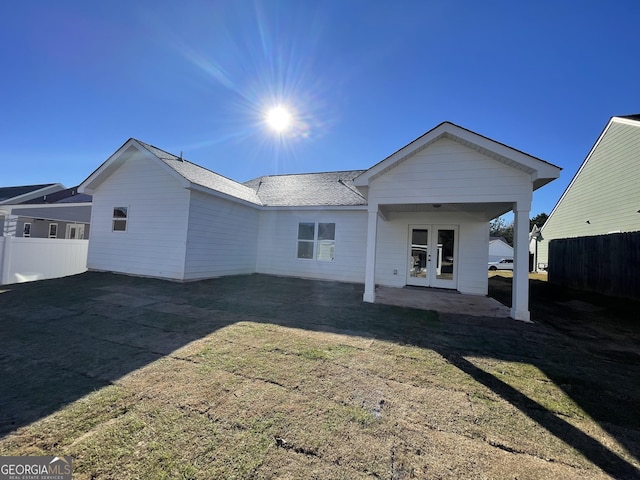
(370, 265)
(520, 289)
(10, 225)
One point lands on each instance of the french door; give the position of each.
(432, 256)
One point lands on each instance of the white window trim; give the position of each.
(126, 219)
(315, 242)
(79, 231)
(51, 225)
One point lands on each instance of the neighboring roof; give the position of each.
(68, 195)
(494, 239)
(635, 117)
(542, 172)
(308, 189)
(201, 176)
(9, 193)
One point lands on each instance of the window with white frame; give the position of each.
(316, 241)
(53, 230)
(120, 215)
(26, 230)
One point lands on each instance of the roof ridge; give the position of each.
(198, 175)
(306, 173)
(184, 160)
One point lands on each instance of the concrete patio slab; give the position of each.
(444, 301)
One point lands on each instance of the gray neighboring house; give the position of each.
(604, 195)
(45, 211)
(16, 195)
(44, 232)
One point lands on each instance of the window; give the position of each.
(316, 241)
(53, 230)
(75, 231)
(26, 231)
(120, 219)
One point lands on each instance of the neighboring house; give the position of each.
(30, 224)
(604, 195)
(419, 217)
(64, 213)
(499, 249)
(22, 193)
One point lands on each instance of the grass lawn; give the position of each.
(260, 377)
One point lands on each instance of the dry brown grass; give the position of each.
(275, 388)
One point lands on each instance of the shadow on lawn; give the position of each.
(63, 339)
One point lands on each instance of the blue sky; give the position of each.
(363, 78)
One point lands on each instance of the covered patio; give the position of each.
(442, 301)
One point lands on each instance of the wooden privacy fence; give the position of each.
(608, 264)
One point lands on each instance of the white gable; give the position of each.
(538, 171)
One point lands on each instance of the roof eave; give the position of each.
(216, 193)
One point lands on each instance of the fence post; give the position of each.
(6, 260)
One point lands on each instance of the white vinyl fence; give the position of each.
(29, 259)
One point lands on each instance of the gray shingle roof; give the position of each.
(68, 195)
(308, 189)
(10, 192)
(203, 177)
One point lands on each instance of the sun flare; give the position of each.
(279, 119)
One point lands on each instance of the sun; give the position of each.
(279, 119)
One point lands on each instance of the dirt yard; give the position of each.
(261, 377)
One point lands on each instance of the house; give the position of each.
(21, 193)
(63, 213)
(603, 197)
(419, 217)
(499, 249)
(31, 220)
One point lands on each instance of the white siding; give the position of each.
(155, 240)
(222, 238)
(278, 244)
(448, 172)
(392, 252)
(605, 191)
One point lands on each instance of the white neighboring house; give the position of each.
(603, 197)
(419, 217)
(43, 234)
(499, 249)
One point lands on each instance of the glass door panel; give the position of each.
(418, 272)
(445, 270)
(445, 259)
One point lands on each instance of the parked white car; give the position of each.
(503, 264)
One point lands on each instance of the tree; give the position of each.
(498, 227)
(538, 220)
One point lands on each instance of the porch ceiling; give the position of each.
(490, 210)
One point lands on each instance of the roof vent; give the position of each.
(181, 159)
